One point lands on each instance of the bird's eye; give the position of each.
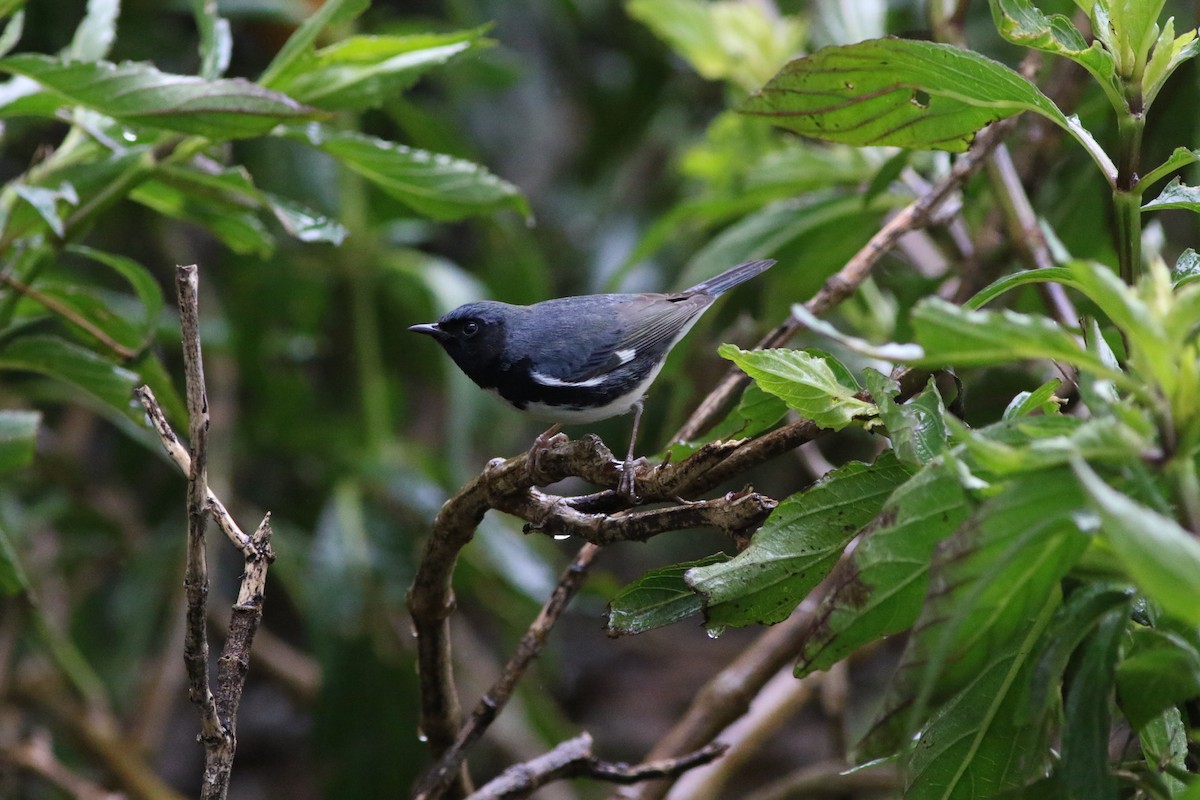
(470, 328)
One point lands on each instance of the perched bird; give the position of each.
(578, 359)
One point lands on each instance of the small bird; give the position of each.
(578, 359)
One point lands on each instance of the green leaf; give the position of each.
(1169, 53)
(755, 413)
(983, 741)
(1160, 670)
(216, 40)
(807, 383)
(796, 547)
(13, 29)
(951, 335)
(235, 225)
(880, 589)
(431, 184)
(363, 72)
(303, 223)
(1175, 196)
(95, 35)
(45, 200)
(332, 13)
(12, 576)
(897, 92)
(917, 429)
(740, 42)
(660, 597)
(56, 358)
(1024, 278)
(1085, 732)
(1040, 401)
(144, 285)
(1023, 24)
(1179, 159)
(18, 437)
(1164, 742)
(1162, 558)
(1187, 268)
(988, 583)
(139, 94)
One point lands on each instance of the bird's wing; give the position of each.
(586, 342)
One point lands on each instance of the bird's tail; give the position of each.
(730, 278)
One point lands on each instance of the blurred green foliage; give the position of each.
(341, 171)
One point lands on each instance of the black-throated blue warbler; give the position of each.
(578, 359)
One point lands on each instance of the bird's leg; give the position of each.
(538, 449)
(626, 485)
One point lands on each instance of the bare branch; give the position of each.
(573, 759)
(195, 581)
(494, 701)
(218, 713)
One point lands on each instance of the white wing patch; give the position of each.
(549, 380)
(625, 356)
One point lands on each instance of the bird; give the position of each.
(578, 359)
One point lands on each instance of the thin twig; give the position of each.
(573, 759)
(493, 702)
(218, 713)
(36, 754)
(840, 286)
(195, 581)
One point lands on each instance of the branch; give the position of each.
(573, 759)
(71, 315)
(917, 214)
(493, 702)
(195, 581)
(218, 714)
(508, 486)
(36, 754)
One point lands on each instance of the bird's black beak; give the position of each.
(430, 329)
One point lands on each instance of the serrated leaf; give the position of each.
(988, 582)
(18, 436)
(982, 742)
(879, 590)
(139, 94)
(807, 383)
(917, 429)
(796, 547)
(951, 335)
(431, 184)
(897, 92)
(1023, 24)
(660, 597)
(363, 72)
(56, 358)
(1162, 558)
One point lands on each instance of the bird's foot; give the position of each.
(537, 452)
(627, 485)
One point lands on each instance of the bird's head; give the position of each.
(474, 336)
